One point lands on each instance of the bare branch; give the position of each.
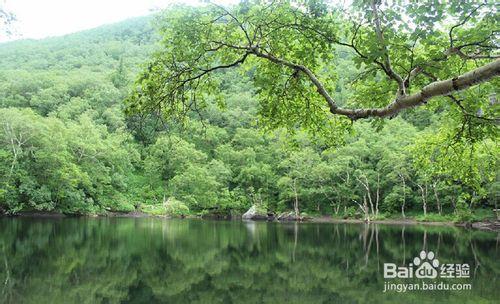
(219, 67)
(450, 34)
(387, 61)
(240, 24)
(466, 113)
(461, 54)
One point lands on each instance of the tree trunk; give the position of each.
(424, 198)
(15, 147)
(438, 203)
(404, 195)
(336, 208)
(296, 202)
(365, 207)
(370, 200)
(367, 187)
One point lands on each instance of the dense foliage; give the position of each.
(404, 55)
(67, 146)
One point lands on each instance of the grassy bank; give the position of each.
(476, 215)
(477, 218)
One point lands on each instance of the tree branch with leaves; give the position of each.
(289, 49)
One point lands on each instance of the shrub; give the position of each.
(463, 216)
(125, 207)
(176, 208)
(350, 212)
(433, 217)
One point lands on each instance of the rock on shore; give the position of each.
(255, 213)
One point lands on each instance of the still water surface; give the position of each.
(149, 260)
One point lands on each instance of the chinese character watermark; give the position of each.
(425, 266)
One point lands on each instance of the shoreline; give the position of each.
(487, 225)
(408, 221)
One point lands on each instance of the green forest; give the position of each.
(153, 116)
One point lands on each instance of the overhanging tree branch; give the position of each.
(287, 35)
(434, 89)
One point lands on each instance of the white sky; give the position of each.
(44, 18)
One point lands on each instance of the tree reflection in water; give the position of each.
(125, 260)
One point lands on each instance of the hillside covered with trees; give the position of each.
(72, 142)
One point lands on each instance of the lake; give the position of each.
(153, 260)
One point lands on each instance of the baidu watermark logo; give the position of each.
(425, 266)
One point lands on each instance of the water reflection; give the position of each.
(192, 261)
